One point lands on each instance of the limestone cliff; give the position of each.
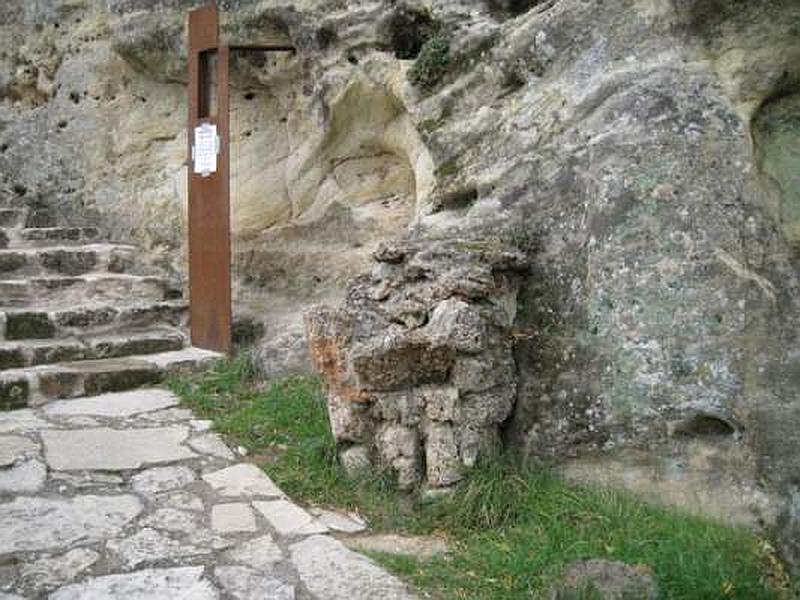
(642, 153)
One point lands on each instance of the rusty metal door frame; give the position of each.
(209, 193)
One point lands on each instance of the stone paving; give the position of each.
(127, 495)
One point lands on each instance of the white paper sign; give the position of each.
(205, 149)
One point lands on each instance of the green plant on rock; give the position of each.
(432, 64)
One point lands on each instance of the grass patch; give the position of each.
(513, 528)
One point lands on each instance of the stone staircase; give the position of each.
(76, 316)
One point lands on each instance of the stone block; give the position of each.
(233, 517)
(243, 480)
(32, 524)
(69, 262)
(329, 570)
(105, 449)
(162, 479)
(441, 403)
(441, 456)
(394, 362)
(457, 324)
(242, 583)
(289, 519)
(187, 582)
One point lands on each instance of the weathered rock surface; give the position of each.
(418, 547)
(605, 580)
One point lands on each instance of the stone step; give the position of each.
(29, 353)
(43, 323)
(118, 288)
(12, 217)
(34, 386)
(66, 260)
(39, 237)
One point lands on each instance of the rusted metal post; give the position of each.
(209, 192)
(209, 186)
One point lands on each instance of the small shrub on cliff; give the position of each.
(409, 29)
(432, 64)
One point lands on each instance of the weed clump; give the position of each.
(432, 64)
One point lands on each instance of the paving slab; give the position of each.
(162, 479)
(242, 583)
(233, 517)
(120, 404)
(106, 449)
(29, 523)
(332, 572)
(260, 553)
(243, 480)
(14, 448)
(50, 572)
(181, 500)
(149, 545)
(148, 584)
(23, 420)
(339, 522)
(211, 444)
(155, 507)
(171, 519)
(288, 518)
(25, 477)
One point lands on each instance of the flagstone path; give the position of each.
(127, 495)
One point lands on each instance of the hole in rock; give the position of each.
(776, 135)
(700, 425)
(326, 37)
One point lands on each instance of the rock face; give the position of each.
(419, 361)
(649, 149)
(607, 580)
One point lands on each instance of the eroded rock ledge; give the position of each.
(418, 361)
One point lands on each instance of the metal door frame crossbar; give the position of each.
(209, 235)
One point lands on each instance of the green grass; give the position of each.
(512, 527)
